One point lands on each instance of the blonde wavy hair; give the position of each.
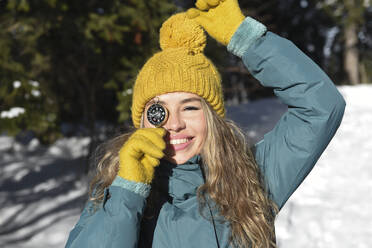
(233, 181)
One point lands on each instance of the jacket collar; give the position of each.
(180, 181)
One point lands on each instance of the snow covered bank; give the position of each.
(332, 208)
(42, 191)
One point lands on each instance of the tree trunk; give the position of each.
(351, 56)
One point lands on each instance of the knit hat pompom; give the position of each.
(181, 32)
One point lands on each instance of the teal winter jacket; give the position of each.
(285, 156)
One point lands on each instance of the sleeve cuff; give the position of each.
(248, 32)
(136, 187)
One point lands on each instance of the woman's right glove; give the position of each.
(141, 154)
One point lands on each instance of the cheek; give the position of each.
(201, 127)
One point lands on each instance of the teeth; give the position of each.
(177, 141)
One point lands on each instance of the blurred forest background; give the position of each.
(67, 67)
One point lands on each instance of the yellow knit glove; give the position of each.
(220, 18)
(140, 154)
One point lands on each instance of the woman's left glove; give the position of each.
(220, 18)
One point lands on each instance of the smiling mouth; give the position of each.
(179, 141)
(175, 145)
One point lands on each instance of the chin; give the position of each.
(178, 160)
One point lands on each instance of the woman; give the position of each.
(208, 190)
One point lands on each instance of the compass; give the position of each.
(157, 114)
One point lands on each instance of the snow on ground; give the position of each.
(332, 208)
(42, 189)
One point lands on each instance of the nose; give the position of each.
(175, 122)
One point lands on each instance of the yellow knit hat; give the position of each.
(181, 66)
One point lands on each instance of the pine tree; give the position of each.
(83, 54)
(350, 17)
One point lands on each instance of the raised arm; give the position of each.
(315, 108)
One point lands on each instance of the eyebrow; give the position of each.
(192, 99)
(183, 101)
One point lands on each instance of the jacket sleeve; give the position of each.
(315, 109)
(116, 223)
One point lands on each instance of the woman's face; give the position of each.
(186, 125)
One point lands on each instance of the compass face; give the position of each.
(157, 114)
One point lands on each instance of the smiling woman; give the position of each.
(186, 176)
(186, 125)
